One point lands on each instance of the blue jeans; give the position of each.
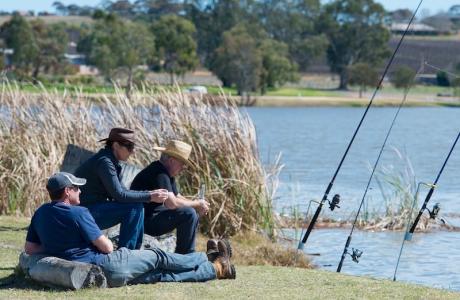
(130, 216)
(125, 266)
(184, 220)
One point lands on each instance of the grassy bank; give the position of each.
(281, 97)
(253, 282)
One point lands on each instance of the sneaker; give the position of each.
(224, 268)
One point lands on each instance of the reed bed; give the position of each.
(35, 130)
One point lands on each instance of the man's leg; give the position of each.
(148, 266)
(130, 216)
(184, 220)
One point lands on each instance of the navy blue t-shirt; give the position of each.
(66, 231)
(154, 176)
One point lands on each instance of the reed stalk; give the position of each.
(36, 128)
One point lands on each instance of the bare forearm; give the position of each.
(33, 248)
(178, 201)
(103, 244)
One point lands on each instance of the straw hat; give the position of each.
(178, 150)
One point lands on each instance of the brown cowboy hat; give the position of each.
(178, 150)
(120, 135)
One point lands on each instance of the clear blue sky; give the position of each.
(39, 5)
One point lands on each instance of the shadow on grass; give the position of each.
(11, 228)
(20, 282)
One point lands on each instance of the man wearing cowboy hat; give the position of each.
(107, 199)
(176, 212)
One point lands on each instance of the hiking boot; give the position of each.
(216, 248)
(224, 248)
(212, 250)
(224, 268)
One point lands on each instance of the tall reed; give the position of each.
(36, 128)
(397, 185)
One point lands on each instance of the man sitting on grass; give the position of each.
(63, 229)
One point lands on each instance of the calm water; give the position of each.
(312, 141)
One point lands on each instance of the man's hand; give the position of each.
(158, 196)
(202, 207)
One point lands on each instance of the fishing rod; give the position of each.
(336, 199)
(356, 253)
(433, 212)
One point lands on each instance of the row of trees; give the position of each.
(252, 45)
(36, 46)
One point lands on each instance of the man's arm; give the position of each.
(33, 248)
(174, 202)
(103, 244)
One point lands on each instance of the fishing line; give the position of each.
(442, 70)
(433, 212)
(336, 199)
(356, 253)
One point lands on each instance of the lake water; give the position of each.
(312, 141)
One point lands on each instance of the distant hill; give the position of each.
(76, 20)
(442, 53)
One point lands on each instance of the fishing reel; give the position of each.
(335, 202)
(355, 254)
(434, 211)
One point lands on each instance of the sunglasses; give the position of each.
(128, 146)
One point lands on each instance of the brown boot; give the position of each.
(212, 250)
(224, 248)
(216, 248)
(224, 268)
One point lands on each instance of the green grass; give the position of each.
(60, 87)
(420, 90)
(253, 282)
(300, 92)
(216, 90)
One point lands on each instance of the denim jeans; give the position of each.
(130, 216)
(184, 220)
(125, 266)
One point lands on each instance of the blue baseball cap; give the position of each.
(62, 180)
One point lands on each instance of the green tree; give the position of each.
(455, 82)
(19, 36)
(51, 41)
(154, 9)
(116, 45)
(293, 22)
(356, 33)
(212, 19)
(238, 60)
(277, 69)
(363, 76)
(175, 45)
(249, 59)
(403, 78)
(442, 78)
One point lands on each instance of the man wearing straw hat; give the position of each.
(63, 229)
(177, 212)
(107, 199)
